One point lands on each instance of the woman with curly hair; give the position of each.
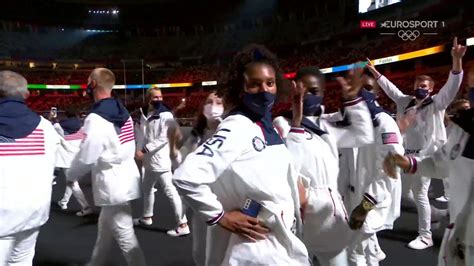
(241, 181)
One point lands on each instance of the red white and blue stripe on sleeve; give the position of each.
(299, 130)
(216, 219)
(126, 132)
(31, 145)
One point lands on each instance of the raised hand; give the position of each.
(352, 84)
(298, 90)
(372, 69)
(458, 50)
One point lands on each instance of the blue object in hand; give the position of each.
(251, 208)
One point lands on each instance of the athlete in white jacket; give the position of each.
(70, 130)
(28, 145)
(206, 123)
(108, 150)
(457, 156)
(155, 154)
(421, 120)
(314, 141)
(243, 179)
(374, 197)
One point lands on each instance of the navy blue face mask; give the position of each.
(157, 104)
(259, 103)
(421, 94)
(312, 105)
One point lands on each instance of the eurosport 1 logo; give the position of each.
(407, 30)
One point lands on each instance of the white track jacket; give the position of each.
(317, 162)
(238, 165)
(26, 176)
(110, 157)
(428, 133)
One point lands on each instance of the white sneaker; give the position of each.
(442, 199)
(421, 243)
(143, 221)
(179, 231)
(85, 212)
(62, 205)
(154, 190)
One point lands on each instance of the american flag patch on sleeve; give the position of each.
(389, 138)
(32, 144)
(126, 132)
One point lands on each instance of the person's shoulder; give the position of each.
(46, 124)
(95, 121)
(385, 117)
(238, 124)
(236, 120)
(48, 128)
(386, 123)
(163, 115)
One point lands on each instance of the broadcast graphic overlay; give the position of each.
(405, 30)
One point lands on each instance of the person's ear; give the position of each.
(25, 95)
(93, 83)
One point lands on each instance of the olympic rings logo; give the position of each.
(408, 34)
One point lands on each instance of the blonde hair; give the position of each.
(104, 77)
(421, 78)
(150, 90)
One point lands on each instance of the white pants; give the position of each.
(332, 258)
(364, 250)
(115, 222)
(416, 187)
(199, 233)
(18, 249)
(165, 181)
(75, 190)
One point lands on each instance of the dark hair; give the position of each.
(200, 122)
(456, 105)
(309, 71)
(70, 112)
(233, 82)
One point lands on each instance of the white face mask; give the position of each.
(213, 111)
